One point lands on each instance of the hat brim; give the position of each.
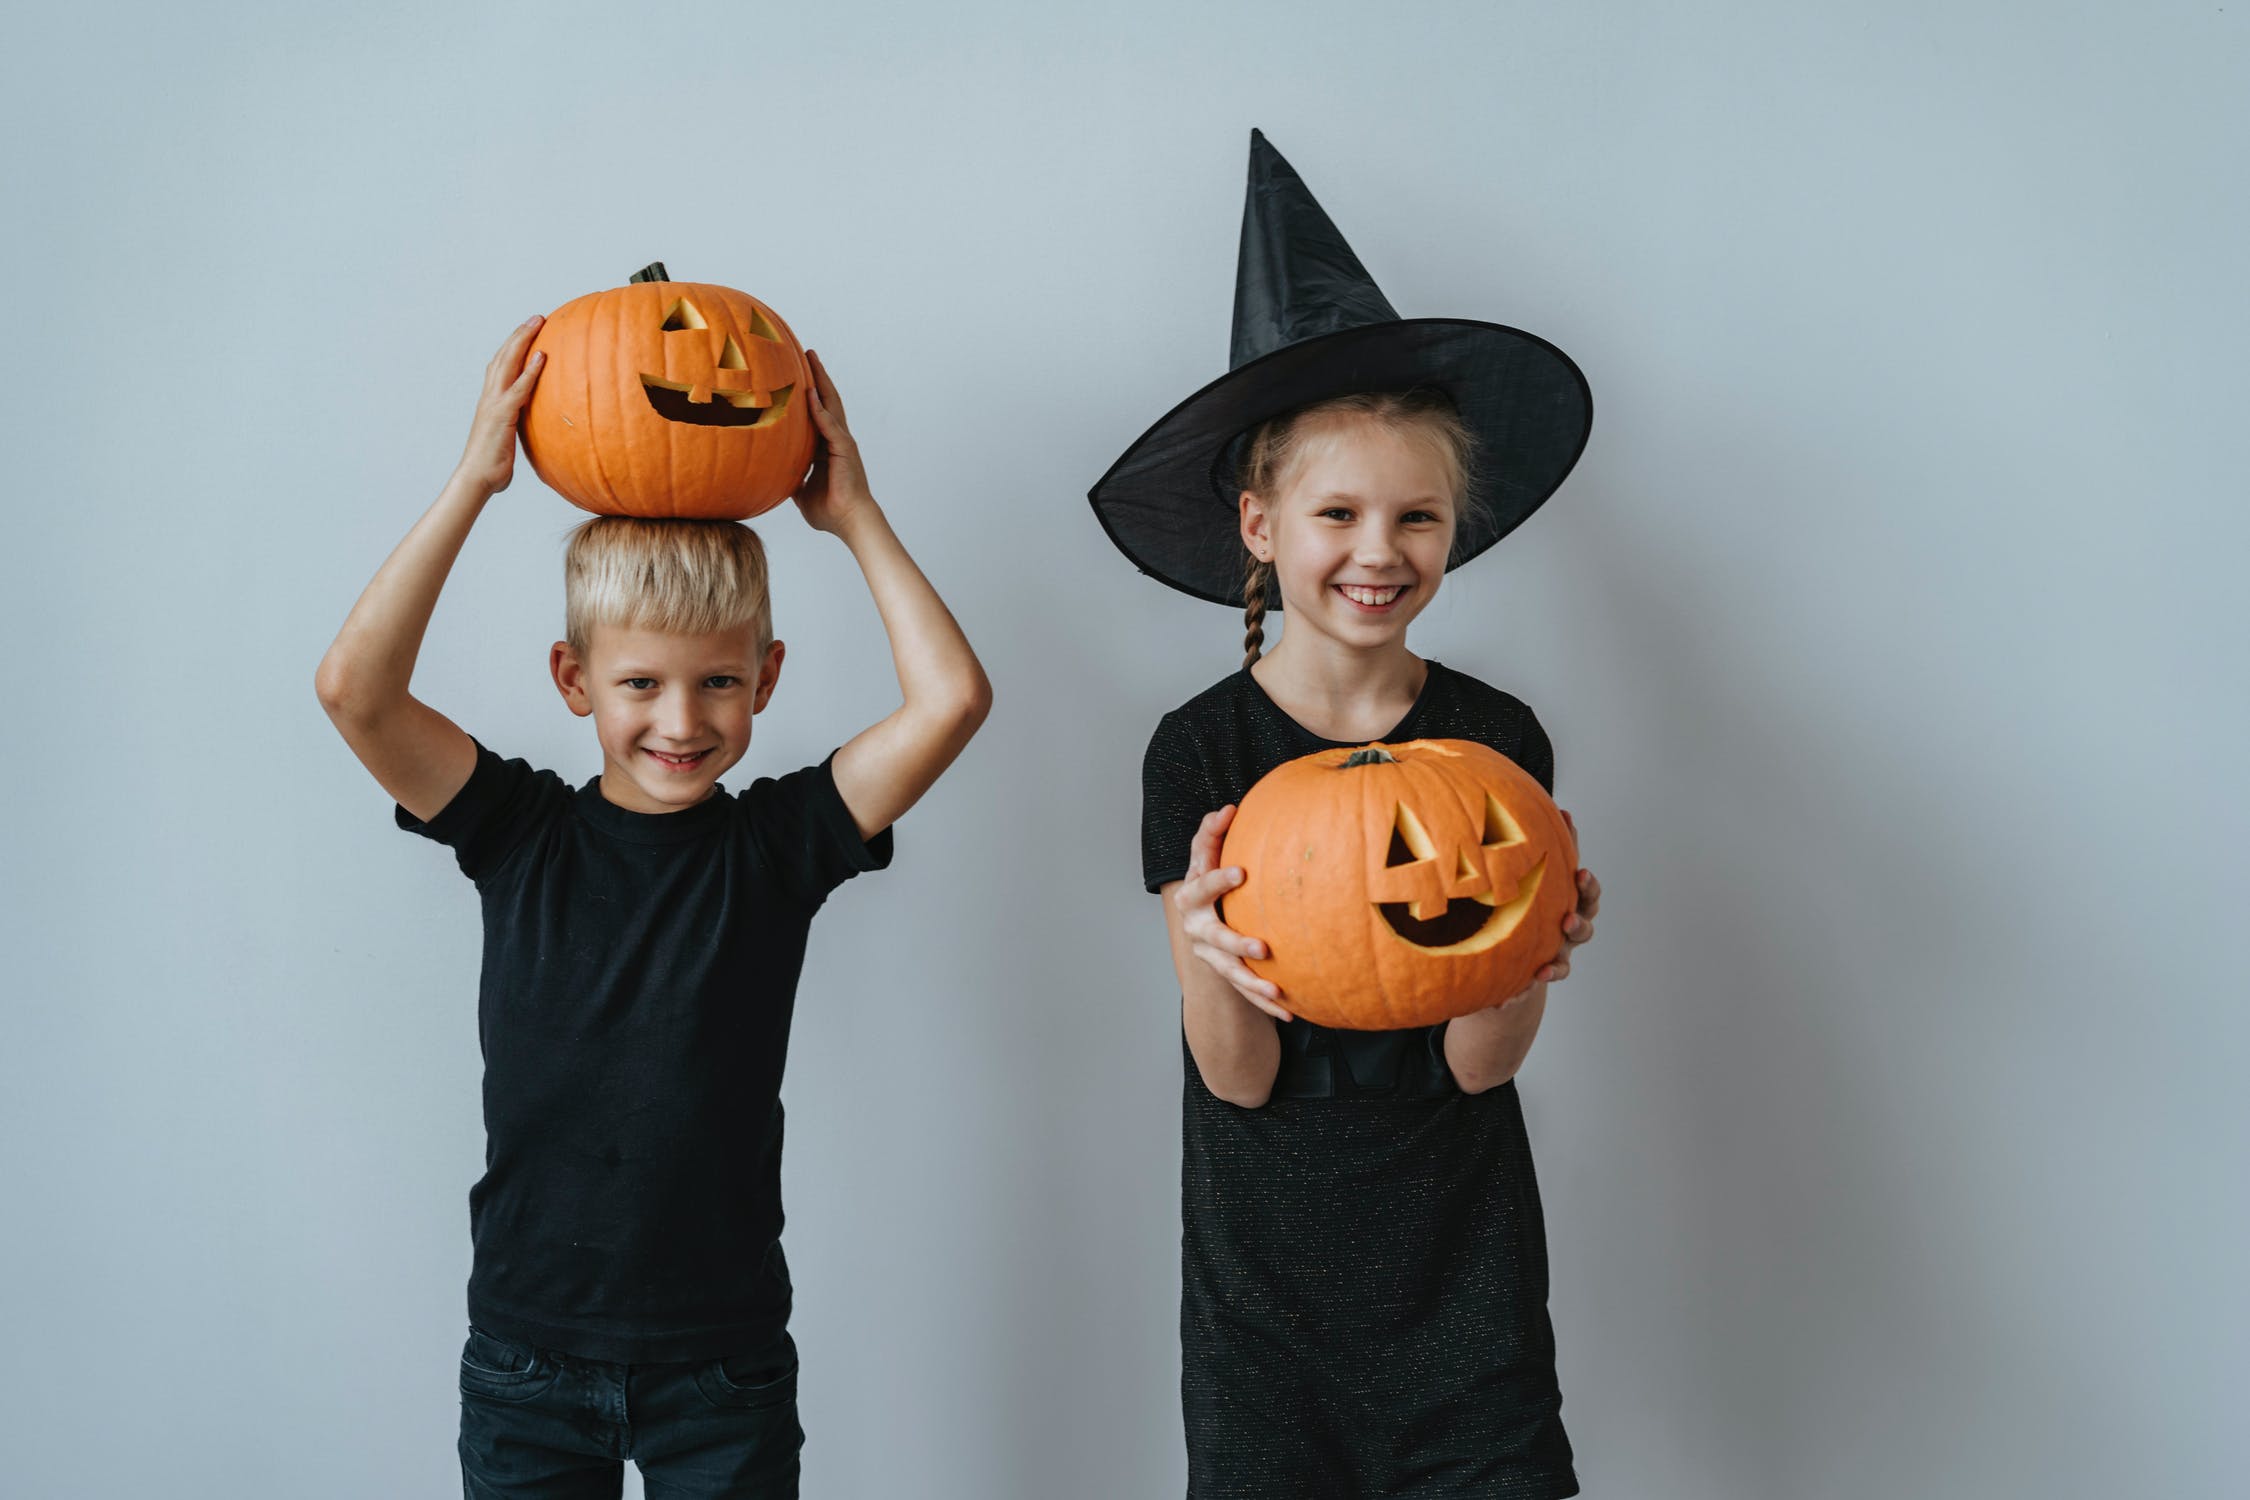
(1170, 501)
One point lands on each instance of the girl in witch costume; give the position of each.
(1363, 1260)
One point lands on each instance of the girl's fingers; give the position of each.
(1214, 825)
(1204, 849)
(1268, 999)
(1217, 934)
(1246, 984)
(1214, 884)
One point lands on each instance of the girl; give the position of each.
(1364, 1270)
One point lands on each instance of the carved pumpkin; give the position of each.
(1400, 885)
(670, 398)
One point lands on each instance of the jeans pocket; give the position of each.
(761, 1378)
(502, 1369)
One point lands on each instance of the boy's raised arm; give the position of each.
(885, 768)
(421, 757)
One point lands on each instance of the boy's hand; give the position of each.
(489, 461)
(1197, 900)
(836, 485)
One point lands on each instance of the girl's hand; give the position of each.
(1217, 944)
(836, 485)
(1578, 927)
(489, 461)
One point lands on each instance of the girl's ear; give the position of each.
(1257, 527)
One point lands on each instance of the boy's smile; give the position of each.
(672, 711)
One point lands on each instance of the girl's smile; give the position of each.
(1373, 601)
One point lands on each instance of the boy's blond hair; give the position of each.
(681, 577)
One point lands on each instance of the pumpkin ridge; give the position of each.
(594, 439)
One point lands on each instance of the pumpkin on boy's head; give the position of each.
(670, 399)
(1400, 885)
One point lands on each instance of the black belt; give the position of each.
(1318, 1063)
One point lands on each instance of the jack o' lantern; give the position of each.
(670, 398)
(1400, 885)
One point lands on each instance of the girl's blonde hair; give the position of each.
(1278, 445)
(681, 577)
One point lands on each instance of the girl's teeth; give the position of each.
(1370, 596)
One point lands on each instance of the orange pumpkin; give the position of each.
(1400, 885)
(670, 398)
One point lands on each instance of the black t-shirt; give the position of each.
(1363, 1303)
(639, 974)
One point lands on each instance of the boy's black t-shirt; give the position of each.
(639, 974)
(1363, 1258)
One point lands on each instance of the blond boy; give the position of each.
(643, 938)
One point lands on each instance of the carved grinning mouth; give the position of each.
(724, 409)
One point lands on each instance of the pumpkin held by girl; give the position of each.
(1400, 885)
(670, 398)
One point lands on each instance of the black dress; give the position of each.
(1363, 1305)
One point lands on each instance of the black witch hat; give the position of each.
(1309, 323)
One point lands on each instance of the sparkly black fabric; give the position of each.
(1363, 1304)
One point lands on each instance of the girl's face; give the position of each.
(1359, 531)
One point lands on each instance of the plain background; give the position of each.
(1891, 1129)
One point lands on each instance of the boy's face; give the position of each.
(672, 712)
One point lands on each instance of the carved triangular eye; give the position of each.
(730, 358)
(682, 315)
(760, 328)
(1499, 828)
(1409, 842)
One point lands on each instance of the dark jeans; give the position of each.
(537, 1424)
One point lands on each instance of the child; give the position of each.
(1364, 1273)
(643, 937)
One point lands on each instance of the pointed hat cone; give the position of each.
(1309, 324)
(1295, 277)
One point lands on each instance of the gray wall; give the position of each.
(1889, 1130)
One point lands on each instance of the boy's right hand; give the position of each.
(1217, 944)
(489, 461)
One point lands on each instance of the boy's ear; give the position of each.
(1257, 529)
(570, 677)
(769, 673)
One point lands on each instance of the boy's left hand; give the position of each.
(1578, 927)
(836, 486)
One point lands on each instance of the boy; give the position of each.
(643, 937)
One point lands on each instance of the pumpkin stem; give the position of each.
(653, 271)
(1373, 755)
